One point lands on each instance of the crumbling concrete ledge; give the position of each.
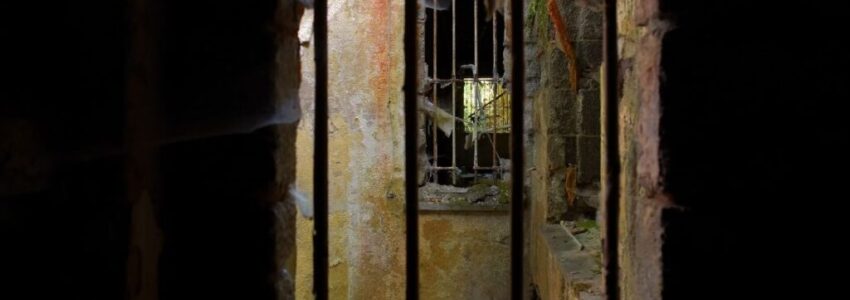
(566, 270)
(485, 196)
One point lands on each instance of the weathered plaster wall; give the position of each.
(464, 255)
(365, 151)
(641, 196)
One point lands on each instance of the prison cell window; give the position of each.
(467, 141)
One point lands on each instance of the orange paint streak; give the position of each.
(379, 37)
(564, 42)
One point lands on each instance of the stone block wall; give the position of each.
(564, 151)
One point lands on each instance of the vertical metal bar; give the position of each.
(454, 95)
(494, 105)
(411, 124)
(612, 158)
(517, 156)
(320, 158)
(434, 96)
(475, 93)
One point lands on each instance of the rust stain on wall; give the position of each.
(379, 36)
(564, 42)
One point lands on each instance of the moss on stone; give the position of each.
(537, 18)
(587, 224)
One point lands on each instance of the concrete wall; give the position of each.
(464, 255)
(641, 196)
(366, 151)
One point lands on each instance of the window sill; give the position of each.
(462, 207)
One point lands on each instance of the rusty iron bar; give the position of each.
(454, 93)
(475, 94)
(320, 159)
(612, 159)
(411, 132)
(517, 156)
(449, 80)
(435, 81)
(502, 127)
(487, 168)
(434, 92)
(454, 170)
(495, 80)
(441, 168)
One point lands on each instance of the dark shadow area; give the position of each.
(64, 205)
(753, 149)
(68, 240)
(217, 228)
(63, 217)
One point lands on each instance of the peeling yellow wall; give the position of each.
(366, 154)
(464, 256)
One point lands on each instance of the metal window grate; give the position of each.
(486, 104)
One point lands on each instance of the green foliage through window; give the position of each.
(491, 109)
